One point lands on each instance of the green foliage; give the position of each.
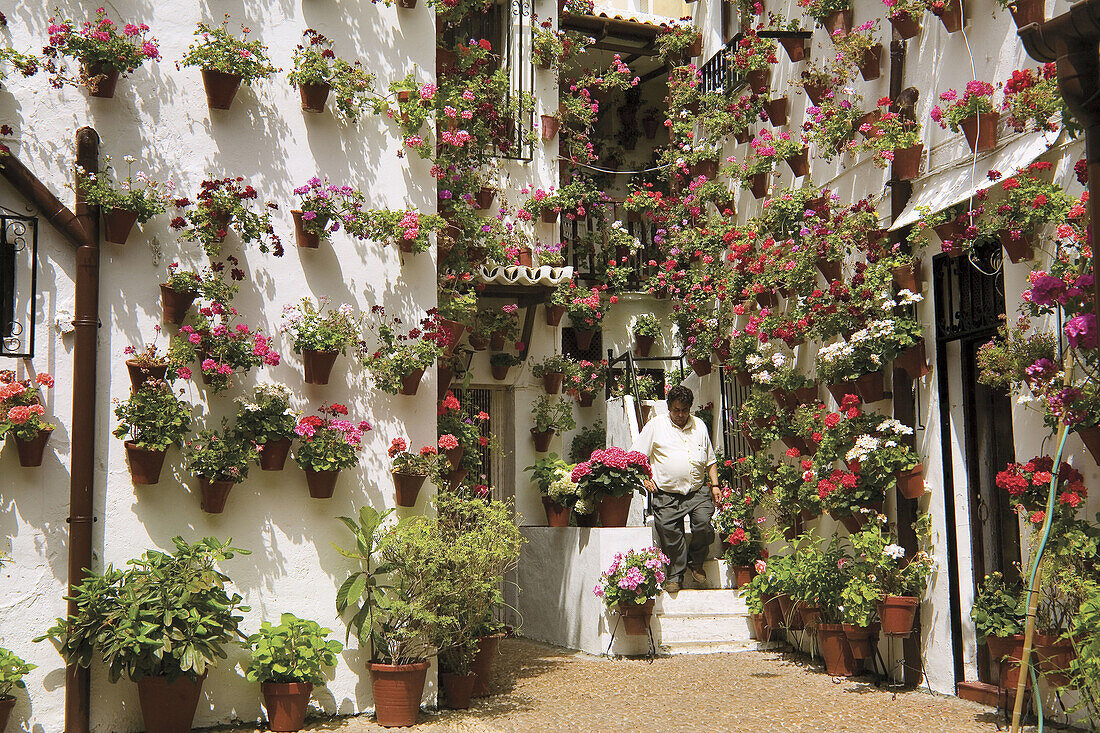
(553, 413)
(296, 650)
(267, 416)
(146, 197)
(646, 325)
(545, 471)
(399, 353)
(883, 562)
(818, 576)
(99, 41)
(12, 671)
(315, 63)
(586, 440)
(999, 609)
(504, 359)
(553, 364)
(153, 417)
(218, 50)
(1003, 361)
(319, 327)
(220, 455)
(164, 615)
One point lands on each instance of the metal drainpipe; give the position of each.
(82, 469)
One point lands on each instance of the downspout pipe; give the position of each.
(82, 468)
(49, 206)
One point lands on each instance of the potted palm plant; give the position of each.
(328, 445)
(12, 671)
(288, 660)
(631, 584)
(220, 459)
(137, 200)
(268, 420)
(162, 622)
(551, 415)
(410, 469)
(21, 412)
(104, 53)
(320, 333)
(154, 419)
(226, 62)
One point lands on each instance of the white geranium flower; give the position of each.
(896, 552)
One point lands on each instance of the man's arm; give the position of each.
(715, 489)
(644, 445)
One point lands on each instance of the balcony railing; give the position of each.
(586, 246)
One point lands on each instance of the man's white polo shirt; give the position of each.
(679, 456)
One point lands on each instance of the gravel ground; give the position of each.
(544, 688)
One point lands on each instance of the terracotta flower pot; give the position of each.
(795, 48)
(872, 387)
(484, 197)
(981, 131)
(397, 689)
(830, 270)
(446, 375)
(169, 707)
(773, 613)
(314, 96)
(614, 510)
(554, 314)
(842, 389)
(551, 382)
(454, 331)
(841, 21)
(286, 704)
(454, 456)
(635, 617)
(585, 399)
(220, 88)
(913, 360)
(100, 82)
(805, 395)
(548, 127)
(6, 706)
(908, 277)
(839, 659)
(791, 620)
(870, 66)
(548, 216)
(742, 136)
(273, 454)
(695, 49)
(1091, 438)
(816, 92)
(759, 627)
(139, 374)
(499, 371)
(897, 613)
(1054, 656)
(906, 25)
(1009, 654)
(117, 224)
(214, 494)
(457, 689)
(861, 639)
(318, 365)
(853, 522)
(411, 382)
(407, 4)
(542, 439)
(482, 666)
(911, 483)
(583, 337)
(31, 451)
(302, 237)
(799, 163)
(758, 185)
(321, 484)
(701, 367)
(556, 514)
(708, 168)
(145, 465)
(1026, 12)
(758, 80)
(777, 111)
(906, 164)
(809, 613)
(1019, 249)
(457, 476)
(951, 15)
(408, 487)
(496, 341)
(743, 575)
(174, 304)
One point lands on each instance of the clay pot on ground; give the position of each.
(809, 613)
(321, 484)
(145, 464)
(1054, 656)
(906, 163)
(482, 666)
(981, 130)
(1008, 653)
(906, 25)
(548, 126)
(397, 689)
(777, 111)
(773, 613)
(760, 630)
(701, 367)
(117, 224)
(758, 185)
(31, 451)
(407, 487)
(951, 16)
(140, 374)
(174, 304)
(302, 237)
(872, 387)
(286, 704)
(273, 454)
(791, 620)
(214, 494)
(457, 689)
(542, 439)
(870, 67)
(318, 365)
(411, 382)
(839, 660)
(911, 483)
(861, 639)
(314, 96)
(913, 361)
(841, 20)
(551, 382)
(169, 707)
(556, 514)
(635, 617)
(896, 614)
(99, 82)
(1019, 248)
(583, 338)
(220, 88)
(799, 163)
(743, 575)
(1026, 12)
(554, 314)
(614, 510)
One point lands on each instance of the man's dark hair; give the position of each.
(680, 394)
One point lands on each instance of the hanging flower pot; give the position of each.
(542, 439)
(454, 331)
(499, 371)
(906, 165)
(484, 197)
(454, 456)
(397, 689)
(861, 639)
(981, 131)
(554, 313)
(1019, 248)
(830, 270)
(650, 125)
(805, 395)
(145, 464)
(406, 4)
(140, 374)
(897, 613)
(696, 47)
(839, 659)
(549, 216)
(214, 494)
(743, 575)
(758, 80)
(408, 487)
(585, 399)
(31, 451)
(1026, 12)
(912, 361)
(708, 168)
(482, 666)
(314, 96)
(445, 376)
(636, 617)
(117, 224)
(799, 163)
(870, 120)
(556, 514)
(777, 111)
(548, 126)
(318, 365)
(742, 136)
(870, 66)
(1091, 438)
(795, 48)
(905, 24)
(816, 92)
(169, 707)
(551, 382)
(841, 389)
(457, 689)
(457, 476)
(907, 277)
(838, 23)
(583, 337)
(286, 704)
(758, 184)
(1054, 656)
(701, 367)
(302, 236)
(614, 510)
(872, 387)
(951, 14)
(220, 88)
(411, 382)
(321, 484)
(174, 304)
(643, 344)
(99, 82)
(273, 454)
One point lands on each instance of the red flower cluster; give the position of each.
(1028, 484)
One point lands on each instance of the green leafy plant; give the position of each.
(218, 50)
(999, 609)
(504, 359)
(424, 462)
(883, 562)
(220, 455)
(646, 325)
(316, 63)
(296, 650)
(587, 439)
(553, 364)
(223, 204)
(137, 193)
(545, 471)
(552, 413)
(267, 416)
(400, 352)
(316, 326)
(12, 671)
(153, 417)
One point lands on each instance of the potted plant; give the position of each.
(399, 361)
(552, 371)
(550, 415)
(12, 671)
(611, 476)
(410, 469)
(646, 330)
(586, 312)
(999, 614)
(585, 379)
(819, 572)
(103, 52)
(753, 59)
(221, 346)
(1029, 204)
(679, 41)
(21, 412)
(147, 364)
(559, 492)
(268, 420)
(220, 460)
(324, 208)
(860, 49)
(226, 62)
(547, 45)
(835, 16)
(859, 604)
(177, 295)
(631, 584)
(882, 455)
(135, 200)
(905, 15)
(319, 333)
(898, 580)
(223, 204)
(318, 71)
(407, 229)
(501, 362)
(762, 600)
(739, 532)
(163, 622)
(894, 139)
(328, 445)
(154, 419)
(974, 112)
(288, 660)
(1032, 97)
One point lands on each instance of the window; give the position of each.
(18, 275)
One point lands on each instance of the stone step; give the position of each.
(702, 629)
(701, 603)
(711, 647)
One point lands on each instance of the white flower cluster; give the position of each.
(865, 446)
(896, 552)
(894, 426)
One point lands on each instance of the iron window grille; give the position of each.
(18, 283)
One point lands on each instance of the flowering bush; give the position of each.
(149, 355)
(218, 50)
(400, 353)
(146, 200)
(328, 441)
(976, 99)
(612, 472)
(326, 206)
(221, 204)
(872, 346)
(220, 456)
(907, 9)
(1030, 202)
(878, 558)
(754, 53)
(221, 346)
(632, 578)
(1033, 97)
(267, 416)
(586, 378)
(153, 417)
(424, 462)
(587, 312)
(99, 46)
(317, 327)
(999, 609)
(547, 45)
(408, 229)
(738, 529)
(315, 63)
(1028, 486)
(21, 407)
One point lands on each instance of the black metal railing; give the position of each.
(18, 283)
(587, 250)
